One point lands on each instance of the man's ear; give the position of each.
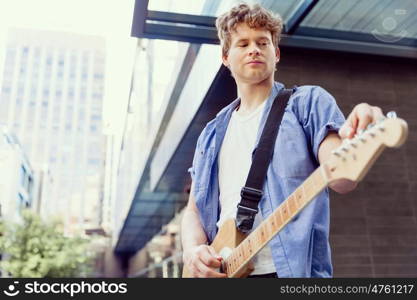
(277, 54)
(225, 61)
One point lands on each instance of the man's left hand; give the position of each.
(361, 116)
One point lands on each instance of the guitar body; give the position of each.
(227, 239)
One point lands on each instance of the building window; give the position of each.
(22, 175)
(30, 186)
(20, 202)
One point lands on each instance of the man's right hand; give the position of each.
(203, 262)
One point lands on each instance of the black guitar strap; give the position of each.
(252, 192)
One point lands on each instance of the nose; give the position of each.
(254, 50)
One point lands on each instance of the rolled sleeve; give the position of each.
(323, 132)
(192, 172)
(321, 115)
(192, 168)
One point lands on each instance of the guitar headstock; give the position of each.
(355, 156)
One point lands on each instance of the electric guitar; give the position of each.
(351, 160)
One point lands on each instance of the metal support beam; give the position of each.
(139, 17)
(341, 35)
(181, 18)
(199, 35)
(323, 43)
(304, 37)
(299, 15)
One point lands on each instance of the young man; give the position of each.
(312, 126)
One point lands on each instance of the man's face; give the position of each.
(252, 55)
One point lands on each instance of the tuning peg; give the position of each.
(392, 115)
(360, 137)
(381, 127)
(336, 152)
(345, 145)
(353, 143)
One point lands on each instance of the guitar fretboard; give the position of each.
(258, 238)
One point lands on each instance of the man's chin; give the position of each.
(256, 78)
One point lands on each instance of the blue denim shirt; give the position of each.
(301, 248)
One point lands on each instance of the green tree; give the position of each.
(34, 248)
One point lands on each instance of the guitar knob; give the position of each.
(392, 115)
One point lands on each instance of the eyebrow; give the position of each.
(245, 40)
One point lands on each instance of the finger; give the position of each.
(365, 117)
(345, 131)
(377, 113)
(207, 272)
(214, 253)
(349, 127)
(209, 259)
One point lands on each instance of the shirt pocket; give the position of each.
(202, 169)
(292, 153)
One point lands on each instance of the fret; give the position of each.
(298, 194)
(316, 178)
(306, 190)
(321, 181)
(230, 262)
(229, 267)
(246, 251)
(269, 228)
(257, 237)
(249, 245)
(294, 198)
(278, 217)
(272, 223)
(235, 265)
(241, 250)
(276, 221)
(284, 209)
(292, 206)
(240, 256)
(262, 233)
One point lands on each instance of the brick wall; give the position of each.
(373, 229)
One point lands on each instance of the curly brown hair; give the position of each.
(255, 17)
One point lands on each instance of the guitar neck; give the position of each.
(258, 238)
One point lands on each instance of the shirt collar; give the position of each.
(277, 86)
(223, 117)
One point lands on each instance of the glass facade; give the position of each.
(52, 98)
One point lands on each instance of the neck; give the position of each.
(253, 94)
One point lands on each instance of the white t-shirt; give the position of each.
(234, 162)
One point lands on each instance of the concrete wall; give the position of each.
(373, 229)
